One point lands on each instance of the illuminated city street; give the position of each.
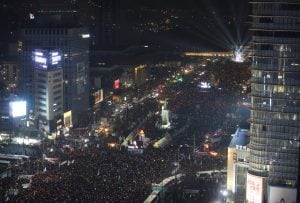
(124, 101)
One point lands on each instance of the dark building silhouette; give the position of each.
(107, 23)
(56, 26)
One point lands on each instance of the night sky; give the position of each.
(199, 24)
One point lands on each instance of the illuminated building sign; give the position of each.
(84, 36)
(55, 59)
(40, 59)
(98, 96)
(45, 59)
(38, 53)
(68, 119)
(117, 84)
(254, 192)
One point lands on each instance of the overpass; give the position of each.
(158, 190)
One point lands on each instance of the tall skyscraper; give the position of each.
(107, 28)
(48, 89)
(275, 94)
(58, 6)
(55, 27)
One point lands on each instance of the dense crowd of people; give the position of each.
(96, 174)
(32, 151)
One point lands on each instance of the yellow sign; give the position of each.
(68, 119)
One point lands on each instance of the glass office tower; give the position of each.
(56, 27)
(275, 94)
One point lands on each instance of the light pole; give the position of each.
(224, 194)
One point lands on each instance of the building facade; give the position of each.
(48, 90)
(107, 26)
(57, 6)
(240, 173)
(9, 73)
(56, 27)
(275, 98)
(237, 154)
(73, 43)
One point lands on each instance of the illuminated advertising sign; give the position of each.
(254, 189)
(117, 84)
(98, 96)
(45, 59)
(68, 119)
(282, 194)
(55, 59)
(17, 108)
(40, 59)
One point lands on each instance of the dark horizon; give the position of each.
(192, 25)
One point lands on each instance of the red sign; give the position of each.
(117, 84)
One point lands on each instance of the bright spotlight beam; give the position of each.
(239, 55)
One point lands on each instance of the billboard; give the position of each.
(254, 189)
(68, 119)
(98, 95)
(117, 84)
(17, 108)
(45, 59)
(282, 194)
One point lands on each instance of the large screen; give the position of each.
(282, 194)
(17, 108)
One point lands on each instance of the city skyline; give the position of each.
(209, 23)
(150, 101)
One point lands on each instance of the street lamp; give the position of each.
(224, 194)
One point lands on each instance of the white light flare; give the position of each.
(238, 55)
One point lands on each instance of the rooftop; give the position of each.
(240, 137)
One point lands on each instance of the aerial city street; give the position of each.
(135, 101)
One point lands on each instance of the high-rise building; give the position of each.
(275, 97)
(237, 156)
(240, 174)
(73, 43)
(58, 12)
(107, 25)
(48, 89)
(58, 6)
(58, 30)
(9, 73)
